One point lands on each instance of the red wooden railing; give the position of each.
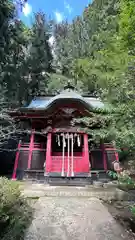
(78, 164)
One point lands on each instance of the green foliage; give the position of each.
(127, 23)
(56, 83)
(100, 124)
(98, 52)
(133, 210)
(125, 181)
(14, 211)
(13, 70)
(25, 54)
(40, 55)
(112, 175)
(95, 51)
(77, 44)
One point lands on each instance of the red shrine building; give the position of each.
(51, 147)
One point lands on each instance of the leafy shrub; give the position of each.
(133, 210)
(112, 175)
(125, 181)
(15, 213)
(125, 178)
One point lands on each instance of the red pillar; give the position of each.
(104, 156)
(86, 153)
(115, 152)
(31, 149)
(16, 161)
(48, 153)
(116, 156)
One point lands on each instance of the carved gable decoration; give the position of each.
(68, 111)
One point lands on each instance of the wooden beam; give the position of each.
(16, 161)
(86, 153)
(48, 153)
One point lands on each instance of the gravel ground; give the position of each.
(71, 218)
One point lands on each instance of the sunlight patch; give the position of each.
(27, 9)
(58, 16)
(52, 40)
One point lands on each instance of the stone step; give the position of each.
(69, 181)
(40, 190)
(38, 176)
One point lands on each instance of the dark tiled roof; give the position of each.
(44, 102)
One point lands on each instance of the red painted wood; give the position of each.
(16, 161)
(42, 114)
(56, 165)
(80, 160)
(76, 154)
(113, 149)
(116, 155)
(34, 149)
(66, 130)
(31, 149)
(86, 163)
(48, 153)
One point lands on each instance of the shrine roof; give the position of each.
(40, 103)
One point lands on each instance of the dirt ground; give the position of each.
(120, 210)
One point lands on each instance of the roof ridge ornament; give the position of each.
(69, 86)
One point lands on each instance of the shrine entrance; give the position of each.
(68, 155)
